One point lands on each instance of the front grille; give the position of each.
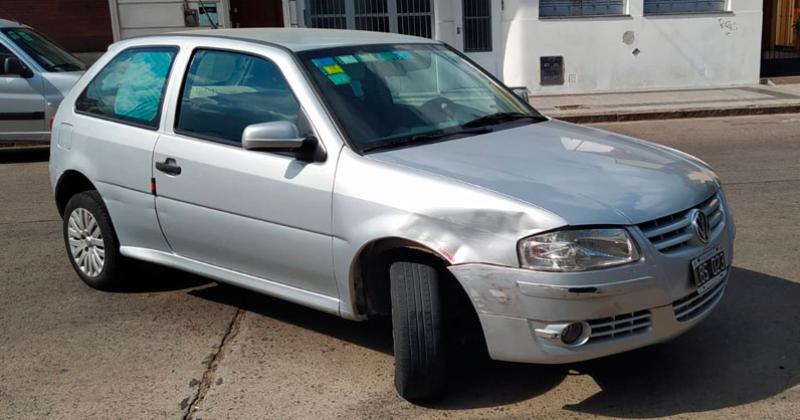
(696, 304)
(674, 232)
(619, 326)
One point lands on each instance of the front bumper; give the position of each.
(628, 307)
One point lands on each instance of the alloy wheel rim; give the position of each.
(86, 242)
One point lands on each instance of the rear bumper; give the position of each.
(622, 309)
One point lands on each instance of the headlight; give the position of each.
(578, 250)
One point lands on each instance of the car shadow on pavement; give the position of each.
(24, 154)
(744, 352)
(152, 278)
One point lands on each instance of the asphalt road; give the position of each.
(179, 345)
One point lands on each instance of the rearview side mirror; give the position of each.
(282, 136)
(522, 93)
(12, 66)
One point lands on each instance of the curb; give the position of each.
(677, 114)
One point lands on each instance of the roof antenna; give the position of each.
(205, 11)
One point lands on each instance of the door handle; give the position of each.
(169, 167)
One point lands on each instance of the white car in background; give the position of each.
(35, 75)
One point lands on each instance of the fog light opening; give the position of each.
(573, 334)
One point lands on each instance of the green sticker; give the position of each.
(367, 57)
(339, 78)
(347, 59)
(25, 36)
(387, 56)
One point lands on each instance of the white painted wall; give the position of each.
(677, 51)
(143, 17)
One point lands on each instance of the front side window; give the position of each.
(567, 8)
(224, 92)
(653, 7)
(384, 95)
(130, 88)
(49, 55)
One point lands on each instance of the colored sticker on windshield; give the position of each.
(334, 69)
(367, 57)
(25, 36)
(339, 78)
(347, 59)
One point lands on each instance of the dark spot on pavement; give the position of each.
(219, 381)
(185, 403)
(194, 382)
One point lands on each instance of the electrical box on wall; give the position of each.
(190, 16)
(551, 69)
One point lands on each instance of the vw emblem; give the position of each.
(700, 224)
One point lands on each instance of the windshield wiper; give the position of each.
(424, 138)
(501, 117)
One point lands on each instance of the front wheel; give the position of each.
(91, 244)
(417, 325)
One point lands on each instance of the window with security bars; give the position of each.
(327, 14)
(409, 17)
(653, 7)
(562, 8)
(414, 18)
(477, 25)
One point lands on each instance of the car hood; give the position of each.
(585, 176)
(60, 82)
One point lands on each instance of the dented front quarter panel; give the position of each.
(459, 222)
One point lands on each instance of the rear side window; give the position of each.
(225, 91)
(130, 88)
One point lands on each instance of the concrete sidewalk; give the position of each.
(664, 104)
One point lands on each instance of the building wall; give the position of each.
(78, 25)
(665, 51)
(143, 17)
(675, 51)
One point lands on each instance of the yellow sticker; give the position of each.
(333, 69)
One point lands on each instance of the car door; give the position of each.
(111, 136)
(262, 214)
(21, 103)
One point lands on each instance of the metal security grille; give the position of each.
(410, 17)
(653, 7)
(414, 18)
(372, 15)
(327, 14)
(559, 8)
(477, 25)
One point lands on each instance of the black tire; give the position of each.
(110, 276)
(417, 326)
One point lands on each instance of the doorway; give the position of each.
(780, 43)
(256, 13)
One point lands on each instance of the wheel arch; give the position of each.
(71, 182)
(369, 270)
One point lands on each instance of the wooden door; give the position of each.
(256, 13)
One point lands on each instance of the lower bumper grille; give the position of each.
(619, 326)
(695, 304)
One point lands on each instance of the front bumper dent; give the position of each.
(515, 306)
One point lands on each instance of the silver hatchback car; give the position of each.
(35, 74)
(367, 175)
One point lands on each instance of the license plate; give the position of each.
(708, 267)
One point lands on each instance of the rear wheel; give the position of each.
(417, 324)
(91, 243)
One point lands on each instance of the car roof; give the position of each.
(303, 39)
(4, 23)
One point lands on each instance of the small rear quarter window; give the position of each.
(130, 87)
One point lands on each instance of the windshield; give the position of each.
(49, 55)
(400, 95)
